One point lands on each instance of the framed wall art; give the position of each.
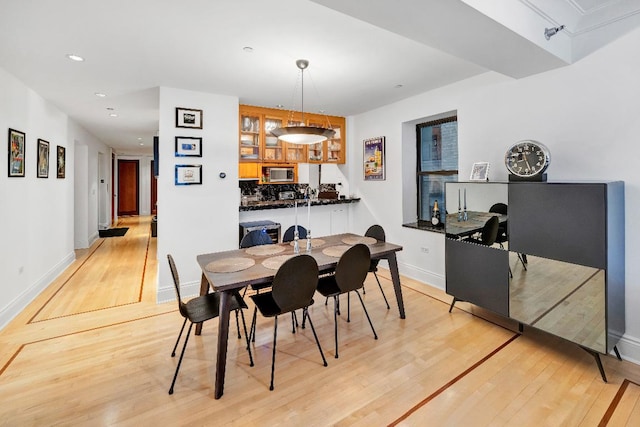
(43, 159)
(16, 153)
(188, 174)
(480, 171)
(188, 118)
(188, 146)
(374, 161)
(61, 161)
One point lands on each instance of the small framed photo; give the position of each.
(480, 171)
(43, 159)
(61, 162)
(188, 174)
(188, 118)
(16, 152)
(374, 160)
(188, 146)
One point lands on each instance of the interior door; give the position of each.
(128, 187)
(154, 189)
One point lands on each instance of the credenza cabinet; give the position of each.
(562, 267)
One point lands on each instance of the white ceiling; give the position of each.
(360, 51)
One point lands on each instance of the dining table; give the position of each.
(474, 223)
(227, 271)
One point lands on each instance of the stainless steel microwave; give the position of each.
(280, 174)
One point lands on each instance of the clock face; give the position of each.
(527, 158)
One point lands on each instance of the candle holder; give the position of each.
(465, 217)
(309, 240)
(296, 243)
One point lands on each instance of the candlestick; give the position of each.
(309, 213)
(465, 217)
(295, 210)
(459, 207)
(309, 240)
(296, 236)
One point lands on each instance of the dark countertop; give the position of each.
(424, 225)
(278, 204)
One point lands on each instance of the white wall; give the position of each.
(196, 219)
(36, 213)
(586, 113)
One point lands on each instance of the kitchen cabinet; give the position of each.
(249, 170)
(256, 144)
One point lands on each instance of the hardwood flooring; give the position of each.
(94, 349)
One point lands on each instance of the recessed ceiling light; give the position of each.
(75, 57)
(139, 139)
(398, 86)
(109, 108)
(100, 94)
(113, 115)
(142, 143)
(280, 106)
(248, 49)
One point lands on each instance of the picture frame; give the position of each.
(61, 164)
(374, 159)
(42, 167)
(16, 153)
(188, 146)
(188, 118)
(480, 171)
(188, 175)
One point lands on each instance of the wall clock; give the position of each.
(527, 161)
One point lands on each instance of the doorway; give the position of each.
(128, 187)
(154, 189)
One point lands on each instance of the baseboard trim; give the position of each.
(187, 290)
(11, 310)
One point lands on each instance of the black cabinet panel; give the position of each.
(478, 274)
(561, 221)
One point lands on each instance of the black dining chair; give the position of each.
(350, 273)
(377, 232)
(293, 287)
(255, 238)
(289, 234)
(503, 235)
(200, 309)
(488, 234)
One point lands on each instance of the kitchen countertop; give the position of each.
(278, 204)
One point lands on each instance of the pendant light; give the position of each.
(303, 134)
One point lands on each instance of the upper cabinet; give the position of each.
(257, 144)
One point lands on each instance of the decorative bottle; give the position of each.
(435, 217)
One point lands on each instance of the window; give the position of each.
(437, 155)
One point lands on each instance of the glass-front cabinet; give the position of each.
(250, 137)
(274, 148)
(257, 144)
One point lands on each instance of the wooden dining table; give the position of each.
(227, 271)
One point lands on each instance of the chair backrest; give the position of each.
(500, 208)
(295, 283)
(490, 231)
(255, 238)
(290, 233)
(353, 267)
(176, 283)
(377, 232)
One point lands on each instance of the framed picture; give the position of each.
(374, 162)
(43, 159)
(188, 146)
(188, 118)
(188, 174)
(480, 171)
(16, 152)
(61, 163)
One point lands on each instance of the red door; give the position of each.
(128, 187)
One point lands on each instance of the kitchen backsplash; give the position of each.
(270, 191)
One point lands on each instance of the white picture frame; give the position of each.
(480, 171)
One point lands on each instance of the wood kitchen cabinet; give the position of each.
(249, 170)
(256, 144)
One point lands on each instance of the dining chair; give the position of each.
(255, 238)
(377, 232)
(293, 287)
(503, 235)
(200, 309)
(351, 271)
(488, 234)
(289, 234)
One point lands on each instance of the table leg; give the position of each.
(395, 278)
(204, 289)
(223, 339)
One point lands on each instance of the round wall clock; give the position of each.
(527, 161)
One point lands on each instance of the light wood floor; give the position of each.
(94, 349)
